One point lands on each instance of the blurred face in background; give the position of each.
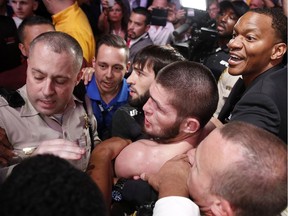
(137, 25)
(31, 32)
(115, 13)
(226, 21)
(24, 8)
(213, 10)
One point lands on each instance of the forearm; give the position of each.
(103, 24)
(101, 173)
(173, 188)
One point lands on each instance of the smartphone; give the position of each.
(159, 17)
(111, 3)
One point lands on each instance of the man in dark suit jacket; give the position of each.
(257, 51)
(137, 32)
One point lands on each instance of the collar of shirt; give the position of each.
(94, 94)
(64, 14)
(133, 41)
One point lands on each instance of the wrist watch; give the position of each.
(117, 189)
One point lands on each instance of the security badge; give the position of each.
(87, 123)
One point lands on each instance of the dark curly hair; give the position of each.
(47, 185)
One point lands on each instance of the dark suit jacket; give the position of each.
(140, 44)
(263, 103)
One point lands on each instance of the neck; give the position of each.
(250, 77)
(108, 96)
(62, 6)
(191, 138)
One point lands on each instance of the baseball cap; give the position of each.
(239, 7)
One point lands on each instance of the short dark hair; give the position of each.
(257, 184)
(156, 57)
(112, 40)
(32, 21)
(193, 89)
(60, 42)
(143, 11)
(48, 185)
(279, 21)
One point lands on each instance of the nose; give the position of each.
(131, 25)
(48, 88)
(223, 18)
(147, 108)
(131, 78)
(109, 73)
(234, 43)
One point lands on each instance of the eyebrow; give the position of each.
(155, 101)
(39, 71)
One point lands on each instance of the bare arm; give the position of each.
(101, 168)
(6, 149)
(171, 180)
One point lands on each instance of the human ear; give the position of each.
(79, 77)
(278, 51)
(191, 125)
(128, 66)
(94, 62)
(221, 207)
(22, 49)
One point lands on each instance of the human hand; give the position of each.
(171, 180)
(6, 149)
(87, 74)
(180, 14)
(105, 4)
(62, 148)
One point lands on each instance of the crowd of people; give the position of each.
(102, 111)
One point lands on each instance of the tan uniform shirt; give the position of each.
(25, 127)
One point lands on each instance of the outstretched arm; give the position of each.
(101, 169)
(6, 149)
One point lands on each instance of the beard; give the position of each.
(167, 133)
(140, 101)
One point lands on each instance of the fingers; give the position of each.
(87, 74)
(61, 148)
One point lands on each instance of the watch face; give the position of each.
(116, 195)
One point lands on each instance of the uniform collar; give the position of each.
(93, 91)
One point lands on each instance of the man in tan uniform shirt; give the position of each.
(50, 119)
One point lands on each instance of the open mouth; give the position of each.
(234, 59)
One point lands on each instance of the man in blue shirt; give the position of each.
(108, 89)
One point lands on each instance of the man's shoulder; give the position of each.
(3, 102)
(10, 98)
(127, 109)
(270, 83)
